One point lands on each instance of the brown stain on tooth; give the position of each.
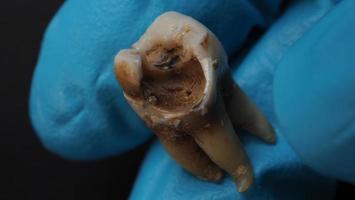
(180, 36)
(129, 84)
(215, 64)
(205, 42)
(176, 85)
(163, 58)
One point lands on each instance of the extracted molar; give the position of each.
(177, 79)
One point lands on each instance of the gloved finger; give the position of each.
(279, 173)
(76, 106)
(314, 94)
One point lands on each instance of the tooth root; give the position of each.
(129, 72)
(191, 157)
(244, 113)
(223, 146)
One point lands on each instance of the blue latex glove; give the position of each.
(78, 110)
(314, 94)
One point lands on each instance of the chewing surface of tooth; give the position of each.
(177, 79)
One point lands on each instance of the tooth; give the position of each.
(175, 79)
(244, 113)
(186, 152)
(223, 146)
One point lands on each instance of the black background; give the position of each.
(28, 170)
(33, 172)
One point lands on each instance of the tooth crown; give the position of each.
(169, 30)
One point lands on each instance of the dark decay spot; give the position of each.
(188, 92)
(163, 58)
(168, 63)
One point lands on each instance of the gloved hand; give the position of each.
(314, 94)
(76, 105)
(78, 110)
